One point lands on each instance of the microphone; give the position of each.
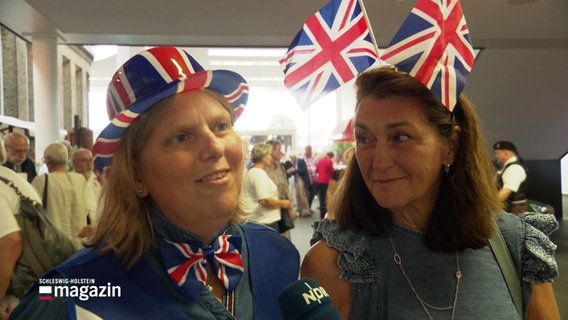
(305, 299)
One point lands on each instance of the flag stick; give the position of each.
(370, 27)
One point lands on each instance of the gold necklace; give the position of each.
(425, 305)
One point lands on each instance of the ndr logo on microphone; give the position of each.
(316, 294)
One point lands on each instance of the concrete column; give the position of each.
(46, 94)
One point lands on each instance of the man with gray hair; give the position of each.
(66, 196)
(17, 148)
(82, 160)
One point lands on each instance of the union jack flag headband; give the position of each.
(151, 76)
(433, 46)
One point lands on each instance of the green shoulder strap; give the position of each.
(503, 256)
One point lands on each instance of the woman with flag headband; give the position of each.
(419, 232)
(169, 235)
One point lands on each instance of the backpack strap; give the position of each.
(505, 261)
(18, 192)
(11, 184)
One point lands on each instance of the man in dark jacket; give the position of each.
(17, 148)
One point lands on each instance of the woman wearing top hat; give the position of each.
(168, 244)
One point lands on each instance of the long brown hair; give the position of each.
(125, 226)
(467, 199)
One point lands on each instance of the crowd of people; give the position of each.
(188, 230)
(64, 195)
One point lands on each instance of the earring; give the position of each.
(447, 168)
(140, 191)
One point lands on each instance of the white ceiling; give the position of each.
(492, 23)
(520, 73)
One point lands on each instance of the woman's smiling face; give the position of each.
(400, 154)
(192, 164)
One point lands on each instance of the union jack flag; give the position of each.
(433, 45)
(334, 45)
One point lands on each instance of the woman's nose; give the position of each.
(212, 147)
(382, 158)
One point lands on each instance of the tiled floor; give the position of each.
(302, 233)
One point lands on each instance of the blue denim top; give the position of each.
(381, 292)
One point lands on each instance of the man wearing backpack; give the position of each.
(10, 235)
(511, 178)
(65, 194)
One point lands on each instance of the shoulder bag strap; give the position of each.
(44, 198)
(503, 256)
(11, 184)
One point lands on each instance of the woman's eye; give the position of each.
(222, 126)
(361, 139)
(179, 138)
(401, 137)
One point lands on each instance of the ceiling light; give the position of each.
(101, 52)
(246, 52)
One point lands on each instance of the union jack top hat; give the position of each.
(151, 76)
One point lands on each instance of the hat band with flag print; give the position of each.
(433, 46)
(152, 76)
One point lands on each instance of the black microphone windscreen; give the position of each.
(305, 299)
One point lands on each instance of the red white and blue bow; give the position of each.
(187, 264)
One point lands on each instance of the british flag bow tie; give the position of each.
(187, 264)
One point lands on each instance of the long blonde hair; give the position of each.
(125, 226)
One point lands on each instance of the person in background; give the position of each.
(324, 170)
(82, 160)
(69, 148)
(17, 148)
(511, 178)
(261, 191)
(310, 162)
(288, 165)
(337, 173)
(67, 199)
(10, 235)
(409, 240)
(294, 167)
(276, 170)
(43, 167)
(277, 173)
(168, 235)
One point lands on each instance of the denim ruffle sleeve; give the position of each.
(538, 262)
(355, 256)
